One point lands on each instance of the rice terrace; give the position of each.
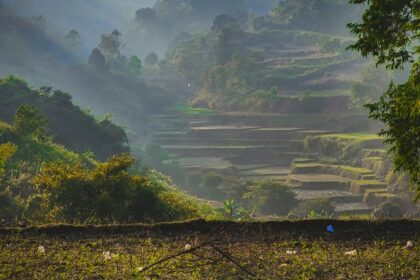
(210, 139)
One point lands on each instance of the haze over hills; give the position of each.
(178, 139)
(233, 100)
(91, 18)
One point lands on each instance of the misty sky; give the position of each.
(90, 17)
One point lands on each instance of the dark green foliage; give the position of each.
(387, 210)
(387, 30)
(135, 66)
(390, 31)
(146, 16)
(271, 197)
(29, 123)
(42, 182)
(68, 124)
(110, 44)
(103, 193)
(109, 193)
(193, 57)
(6, 151)
(73, 38)
(314, 208)
(228, 42)
(222, 20)
(151, 59)
(399, 109)
(212, 186)
(97, 60)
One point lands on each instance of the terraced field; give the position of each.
(245, 147)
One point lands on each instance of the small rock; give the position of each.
(41, 250)
(106, 255)
(140, 269)
(188, 247)
(22, 223)
(410, 245)
(351, 253)
(284, 265)
(291, 252)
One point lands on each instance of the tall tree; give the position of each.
(390, 31)
(135, 66)
(97, 59)
(110, 44)
(151, 59)
(29, 123)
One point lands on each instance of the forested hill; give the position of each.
(91, 18)
(30, 51)
(24, 44)
(67, 124)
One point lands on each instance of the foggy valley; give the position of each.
(129, 124)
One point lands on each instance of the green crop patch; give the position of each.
(354, 136)
(189, 110)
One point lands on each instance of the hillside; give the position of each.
(98, 17)
(29, 50)
(43, 182)
(68, 124)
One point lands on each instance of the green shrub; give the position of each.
(109, 193)
(271, 197)
(312, 208)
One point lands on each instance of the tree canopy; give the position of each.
(390, 31)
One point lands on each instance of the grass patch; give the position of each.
(258, 247)
(360, 170)
(321, 93)
(377, 191)
(189, 110)
(368, 182)
(354, 136)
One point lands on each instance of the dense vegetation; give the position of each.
(42, 182)
(67, 124)
(109, 84)
(220, 140)
(221, 57)
(390, 32)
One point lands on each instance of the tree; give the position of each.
(73, 38)
(151, 59)
(29, 123)
(272, 197)
(135, 66)
(110, 44)
(6, 151)
(97, 59)
(222, 20)
(109, 192)
(106, 192)
(390, 31)
(387, 30)
(146, 16)
(228, 42)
